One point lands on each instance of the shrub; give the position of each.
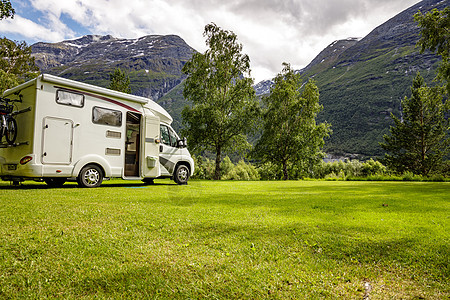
(334, 177)
(269, 171)
(409, 176)
(241, 171)
(204, 168)
(372, 167)
(349, 169)
(370, 170)
(436, 178)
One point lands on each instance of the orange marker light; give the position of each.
(25, 160)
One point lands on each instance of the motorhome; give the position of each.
(68, 130)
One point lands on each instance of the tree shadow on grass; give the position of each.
(350, 245)
(270, 248)
(158, 280)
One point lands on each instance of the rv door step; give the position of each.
(6, 145)
(132, 178)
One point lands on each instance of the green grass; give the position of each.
(225, 240)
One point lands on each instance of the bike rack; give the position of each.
(14, 113)
(21, 111)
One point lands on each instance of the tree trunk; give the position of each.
(423, 154)
(285, 171)
(218, 160)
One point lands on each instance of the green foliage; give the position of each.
(291, 137)
(6, 9)
(16, 63)
(242, 171)
(372, 167)
(419, 141)
(15, 57)
(349, 169)
(119, 81)
(410, 176)
(270, 171)
(7, 81)
(435, 36)
(205, 169)
(336, 170)
(224, 107)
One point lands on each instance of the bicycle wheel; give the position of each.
(1, 129)
(11, 130)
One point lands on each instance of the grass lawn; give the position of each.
(226, 240)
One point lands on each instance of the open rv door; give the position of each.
(150, 147)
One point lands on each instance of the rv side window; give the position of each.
(165, 138)
(69, 98)
(168, 137)
(173, 138)
(106, 116)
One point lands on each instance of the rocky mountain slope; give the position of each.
(328, 56)
(324, 60)
(362, 82)
(153, 62)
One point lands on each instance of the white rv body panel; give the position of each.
(70, 125)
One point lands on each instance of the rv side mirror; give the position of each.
(182, 143)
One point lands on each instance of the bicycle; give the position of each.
(8, 125)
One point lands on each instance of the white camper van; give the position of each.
(72, 130)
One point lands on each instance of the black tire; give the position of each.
(149, 181)
(55, 181)
(181, 174)
(90, 176)
(11, 130)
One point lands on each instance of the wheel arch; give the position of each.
(92, 160)
(185, 163)
(182, 173)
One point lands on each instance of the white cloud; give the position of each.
(34, 31)
(272, 31)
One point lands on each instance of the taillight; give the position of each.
(25, 160)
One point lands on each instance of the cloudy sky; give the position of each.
(272, 31)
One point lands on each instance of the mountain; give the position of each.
(328, 56)
(362, 82)
(263, 87)
(153, 62)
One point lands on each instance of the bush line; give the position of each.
(348, 170)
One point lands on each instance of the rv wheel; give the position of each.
(55, 181)
(181, 174)
(90, 176)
